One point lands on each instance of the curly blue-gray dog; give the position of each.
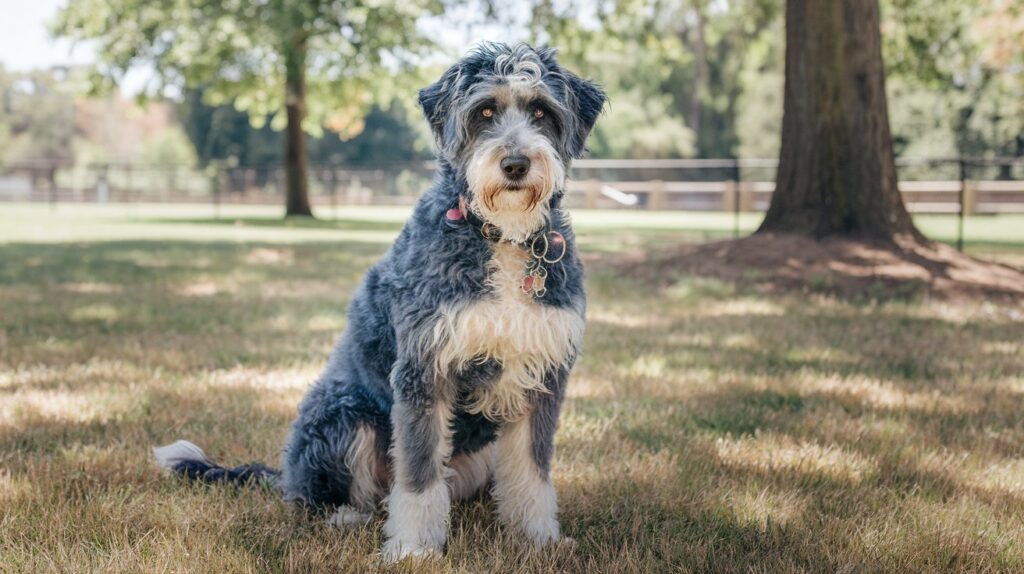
(453, 368)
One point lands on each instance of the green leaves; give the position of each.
(235, 50)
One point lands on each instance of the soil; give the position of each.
(842, 267)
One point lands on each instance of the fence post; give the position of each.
(970, 197)
(330, 176)
(103, 185)
(961, 212)
(129, 183)
(591, 192)
(215, 182)
(746, 198)
(657, 198)
(51, 182)
(730, 199)
(173, 182)
(733, 189)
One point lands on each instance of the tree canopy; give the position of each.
(686, 78)
(304, 64)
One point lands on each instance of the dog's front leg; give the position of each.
(419, 503)
(522, 474)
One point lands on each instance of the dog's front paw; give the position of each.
(396, 550)
(542, 532)
(347, 517)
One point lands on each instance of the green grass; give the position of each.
(708, 428)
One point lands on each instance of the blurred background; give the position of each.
(123, 101)
(835, 394)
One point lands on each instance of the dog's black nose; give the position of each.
(515, 166)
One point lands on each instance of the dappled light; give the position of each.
(762, 509)
(886, 395)
(707, 421)
(781, 454)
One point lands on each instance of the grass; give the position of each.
(709, 429)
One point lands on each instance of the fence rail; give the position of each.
(962, 186)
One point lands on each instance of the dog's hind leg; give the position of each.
(471, 473)
(334, 455)
(368, 474)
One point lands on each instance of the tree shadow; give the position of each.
(652, 472)
(333, 223)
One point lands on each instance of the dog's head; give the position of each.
(510, 120)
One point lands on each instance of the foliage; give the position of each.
(956, 68)
(357, 52)
(676, 63)
(168, 147)
(37, 116)
(954, 73)
(225, 134)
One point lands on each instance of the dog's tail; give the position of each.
(188, 460)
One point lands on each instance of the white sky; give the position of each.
(25, 42)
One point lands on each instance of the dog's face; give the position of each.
(510, 120)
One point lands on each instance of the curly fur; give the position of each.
(449, 375)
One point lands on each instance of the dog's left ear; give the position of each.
(436, 101)
(587, 99)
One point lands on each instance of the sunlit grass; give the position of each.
(708, 428)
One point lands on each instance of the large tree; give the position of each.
(836, 171)
(305, 63)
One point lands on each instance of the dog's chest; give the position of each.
(527, 338)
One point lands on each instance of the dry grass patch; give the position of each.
(709, 427)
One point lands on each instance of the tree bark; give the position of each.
(696, 41)
(700, 75)
(836, 175)
(295, 159)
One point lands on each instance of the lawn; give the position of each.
(709, 428)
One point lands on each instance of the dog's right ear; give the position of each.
(436, 101)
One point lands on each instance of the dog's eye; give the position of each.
(538, 113)
(487, 112)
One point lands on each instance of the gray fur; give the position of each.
(379, 374)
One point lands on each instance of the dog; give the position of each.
(452, 371)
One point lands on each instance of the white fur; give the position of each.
(526, 498)
(368, 478)
(170, 455)
(417, 523)
(527, 338)
(471, 472)
(519, 68)
(511, 210)
(346, 516)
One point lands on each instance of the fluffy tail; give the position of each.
(188, 460)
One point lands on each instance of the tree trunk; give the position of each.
(836, 171)
(295, 160)
(698, 45)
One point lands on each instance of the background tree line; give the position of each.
(687, 78)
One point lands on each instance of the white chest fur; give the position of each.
(509, 326)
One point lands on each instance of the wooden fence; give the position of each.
(986, 197)
(967, 186)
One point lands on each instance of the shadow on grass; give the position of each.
(340, 223)
(894, 388)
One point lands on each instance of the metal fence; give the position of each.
(962, 186)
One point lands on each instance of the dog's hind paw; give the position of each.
(347, 517)
(394, 551)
